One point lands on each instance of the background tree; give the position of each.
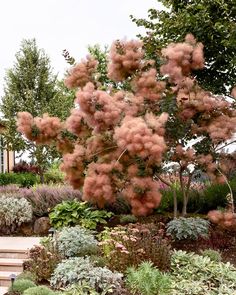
(212, 22)
(31, 86)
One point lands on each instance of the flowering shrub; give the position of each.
(76, 241)
(14, 211)
(128, 130)
(44, 198)
(188, 228)
(130, 245)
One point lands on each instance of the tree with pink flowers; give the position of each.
(119, 139)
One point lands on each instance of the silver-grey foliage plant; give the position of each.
(188, 228)
(81, 270)
(14, 211)
(76, 241)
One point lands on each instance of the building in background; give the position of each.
(7, 157)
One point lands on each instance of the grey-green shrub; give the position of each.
(213, 278)
(148, 280)
(21, 285)
(14, 211)
(26, 275)
(80, 269)
(212, 254)
(39, 290)
(76, 241)
(188, 228)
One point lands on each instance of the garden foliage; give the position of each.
(79, 270)
(148, 280)
(124, 135)
(213, 278)
(21, 285)
(14, 211)
(71, 213)
(188, 228)
(125, 246)
(76, 241)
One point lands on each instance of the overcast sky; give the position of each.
(65, 24)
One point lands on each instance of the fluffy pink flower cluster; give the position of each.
(184, 157)
(143, 195)
(41, 130)
(75, 123)
(147, 86)
(73, 166)
(221, 128)
(82, 73)
(182, 58)
(25, 122)
(125, 59)
(99, 109)
(197, 100)
(225, 219)
(207, 162)
(135, 136)
(98, 184)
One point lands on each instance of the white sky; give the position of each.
(65, 24)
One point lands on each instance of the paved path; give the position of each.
(13, 244)
(18, 243)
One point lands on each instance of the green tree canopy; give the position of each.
(31, 86)
(212, 22)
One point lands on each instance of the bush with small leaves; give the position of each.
(148, 280)
(212, 254)
(39, 290)
(26, 275)
(80, 269)
(14, 211)
(42, 262)
(76, 241)
(188, 228)
(21, 285)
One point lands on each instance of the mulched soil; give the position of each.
(219, 239)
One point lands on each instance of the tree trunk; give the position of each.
(175, 204)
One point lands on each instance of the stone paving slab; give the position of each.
(3, 290)
(18, 243)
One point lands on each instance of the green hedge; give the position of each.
(212, 197)
(22, 179)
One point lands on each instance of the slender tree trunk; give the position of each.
(175, 203)
(40, 161)
(174, 194)
(186, 191)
